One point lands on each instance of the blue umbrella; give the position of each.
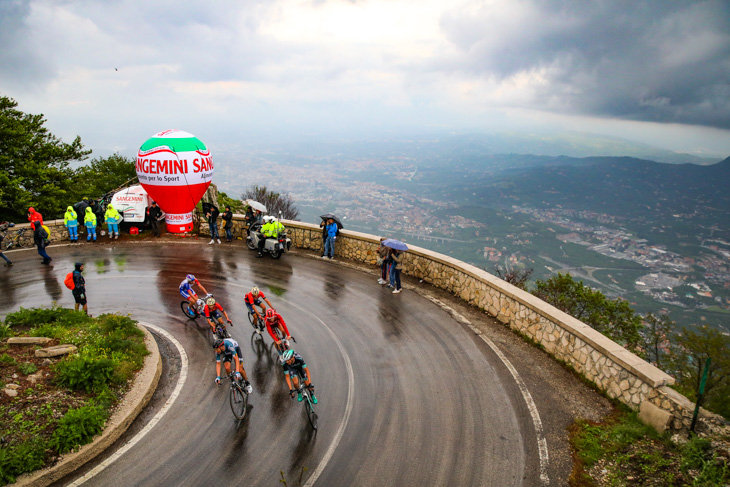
(395, 244)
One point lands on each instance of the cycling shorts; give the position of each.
(216, 315)
(256, 301)
(187, 294)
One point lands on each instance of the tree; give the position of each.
(656, 332)
(614, 318)
(275, 203)
(517, 276)
(690, 350)
(35, 164)
(105, 174)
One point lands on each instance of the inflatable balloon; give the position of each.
(175, 168)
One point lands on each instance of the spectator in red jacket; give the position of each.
(34, 216)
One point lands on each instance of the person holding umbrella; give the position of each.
(329, 244)
(396, 255)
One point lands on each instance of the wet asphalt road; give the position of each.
(407, 396)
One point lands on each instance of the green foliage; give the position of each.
(105, 174)
(78, 427)
(5, 331)
(27, 368)
(691, 348)
(657, 332)
(613, 318)
(700, 461)
(224, 200)
(36, 170)
(6, 359)
(19, 459)
(85, 373)
(40, 316)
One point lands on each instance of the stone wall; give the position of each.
(616, 371)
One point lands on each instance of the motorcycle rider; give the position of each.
(266, 232)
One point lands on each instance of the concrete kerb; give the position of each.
(135, 400)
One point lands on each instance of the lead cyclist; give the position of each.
(187, 291)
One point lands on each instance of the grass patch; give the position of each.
(68, 401)
(622, 451)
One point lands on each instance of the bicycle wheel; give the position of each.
(239, 401)
(253, 320)
(311, 414)
(189, 311)
(25, 239)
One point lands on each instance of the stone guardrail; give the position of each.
(613, 369)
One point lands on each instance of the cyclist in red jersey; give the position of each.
(212, 311)
(274, 320)
(253, 299)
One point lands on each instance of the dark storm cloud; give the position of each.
(22, 62)
(662, 61)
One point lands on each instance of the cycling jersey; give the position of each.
(271, 324)
(215, 311)
(249, 299)
(186, 288)
(297, 367)
(230, 350)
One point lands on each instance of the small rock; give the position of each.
(12, 386)
(56, 351)
(28, 340)
(10, 392)
(47, 361)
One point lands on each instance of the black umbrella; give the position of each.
(212, 209)
(327, 216)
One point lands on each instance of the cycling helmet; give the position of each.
(288, 354)
(190, 277)
(255, 291)
(270, 314)
(210, 301)
(217, 343)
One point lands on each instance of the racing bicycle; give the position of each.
(238, 396)
(307, 400)
(194, 311)
(14, 238)
(256, 322)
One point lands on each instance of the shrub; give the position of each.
(27, 368)
(5, 331)
(85, 374)
(78, 427)
(18, 459)
(6, 359)
(39, 316)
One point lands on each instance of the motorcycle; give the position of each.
(274, 246)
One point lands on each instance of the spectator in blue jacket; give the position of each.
(329, 244)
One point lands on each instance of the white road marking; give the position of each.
(529, 402)
(170, 400)
(541, 441)
(348, 408)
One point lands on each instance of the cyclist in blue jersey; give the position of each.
(228, 350)
(294, 364)
(187, 291)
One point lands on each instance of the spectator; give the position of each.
(79, 290)
(34, 216)
(329, 244)
(389, 268)
(112, 218)
(323, 226)
(39, 237)
(397, 257)
(90, 223)
(212, 216)
(155, 213)
(249, 219)
(7, 261)
(70, 220)
(383, 253)
(228, 218)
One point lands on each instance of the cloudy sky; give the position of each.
(117, 71)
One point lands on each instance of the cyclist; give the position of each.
(294, 364)
(187, 291)
(212, 311)
(229, 350)
(274, 320)
(254, 299)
